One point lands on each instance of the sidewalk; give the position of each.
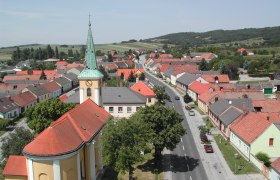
(215, 166)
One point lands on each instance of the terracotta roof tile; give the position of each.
(51, 86)
(199, 87)
(143, 89)
(267, 105)
(126, 72)
(164, 67)
(21, 77)
(24, 99)
(70, 131)
(15, 166)
(61, 63)
(251, 125)
(276, 165)
(222, 78)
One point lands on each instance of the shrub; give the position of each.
(4, 124)
(264, 158)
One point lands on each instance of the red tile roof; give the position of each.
(61, 63)
(267, 105)
(164, 67)
(50, 74)
(34, 72)
(167, 60)
(70, 131)
(24, 99)
(21, 77)
(222, 78)
(276, 165)
(208, 95)
(252, 125)
(143, 89)
(15, 166)
(189, 68)
(126, 72)
(63, 97)
(51, 86)
(165, 56)
(73, 65)
(199, 87)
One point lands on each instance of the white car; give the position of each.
(191, 113)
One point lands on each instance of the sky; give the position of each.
(66, 21)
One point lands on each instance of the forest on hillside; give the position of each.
(269, 35)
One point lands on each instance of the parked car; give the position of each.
(191, 112)
(203, 138)
(208, 148)
(177, 98)
(188, 107)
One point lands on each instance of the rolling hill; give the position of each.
(267, 35)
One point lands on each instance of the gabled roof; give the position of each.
(222, 78)
(164, 67)
(15, 166)
(221, 105)
(188, 68)
(187, 78)
(72, 130)
(126, 72)
(199, 87)
(23, 99)
(276, 165)
(71, 76)
(62, 81)
(121, 95)
(37, 90)
(21, 77)
(253, 124)
(6, 105)
(267, 105)
(51, 86)
(229, 115)
(142, 88)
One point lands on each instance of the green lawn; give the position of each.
(207, 122)
(237, 165)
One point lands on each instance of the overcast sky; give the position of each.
(66, 21)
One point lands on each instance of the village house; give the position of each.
(24, 100)
(39, 92)
(275, 170)
(53, 88)
(64, 84)
(126, 72)
(195, 89)
(143, 89)
(73, 78)
(8, 109)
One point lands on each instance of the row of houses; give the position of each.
(31, 94)
(243, 114)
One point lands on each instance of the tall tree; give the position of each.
(161, 95)
(122, 142)
(15, 142)
(43, 114)
(165, 127)
(56, 52)
(131, 77)
(142, 77)
(203, 65)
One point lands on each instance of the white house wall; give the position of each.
(240, 145)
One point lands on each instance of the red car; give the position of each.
(208, 148)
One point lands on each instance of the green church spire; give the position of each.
(90, 70)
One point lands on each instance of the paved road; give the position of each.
(183, 161)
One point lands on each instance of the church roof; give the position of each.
(90, 70)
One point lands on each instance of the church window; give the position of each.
(88, 92)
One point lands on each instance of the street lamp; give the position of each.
(235, 157)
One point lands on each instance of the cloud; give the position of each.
(27, 15)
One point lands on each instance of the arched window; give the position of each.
(88, 92)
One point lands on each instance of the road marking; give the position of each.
(183, 147)
(190, 177)
(185, 156)
(181, 140)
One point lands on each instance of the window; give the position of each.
(129, 109)
(149, 99)
(120, 109)
(88, 92)
(271, 141)
(111, 109)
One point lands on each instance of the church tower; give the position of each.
(90, 78)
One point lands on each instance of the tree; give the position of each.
(122, 143)
(131, 77)
(110, 58)
(56, 52)
(122, 76)
(264, 158)
(104, 72)
(16, 141)
(203, 65)
(187, 98)
(43, 114)
(246, 64)
(161, 95)
(244, 53)
(142, 77)
(165, 128)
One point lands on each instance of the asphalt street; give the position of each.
(184, 161)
